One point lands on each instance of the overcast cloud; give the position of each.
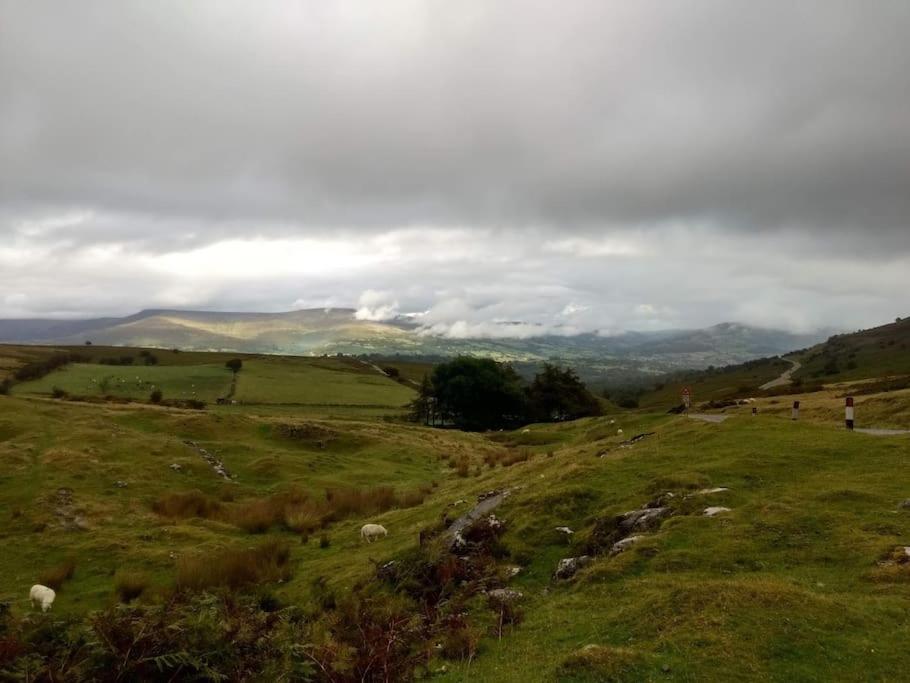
(570, 166)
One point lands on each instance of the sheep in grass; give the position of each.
(43, 596)
(372, 532)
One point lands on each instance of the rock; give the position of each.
(514, 570)
(565, 530)
(387, 571)
(120, 484)
(525, 431)
(458, 543)
(624, 544)
(569, 566)
(504, 596)
(642, 520)
(176, 467)
(708, 492)
(661, 501)
(716, 510)
(905, 504)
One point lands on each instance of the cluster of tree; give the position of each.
(234, 365)
(479, 393)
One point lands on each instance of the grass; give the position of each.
(318, 382)
(797, 582)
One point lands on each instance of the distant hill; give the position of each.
(331, 331)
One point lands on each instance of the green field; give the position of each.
(803, 579)
(203, 382)
(322, 382)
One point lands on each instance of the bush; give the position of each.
(156, 396)
(57, 392)
(233, 568)
(5, 386)
(129, 585)
(55, 577)
(324, 541)
(234, 365)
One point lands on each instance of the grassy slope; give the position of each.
(785, 587)
(877, 352)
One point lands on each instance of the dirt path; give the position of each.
(785, 377)
(704, 417)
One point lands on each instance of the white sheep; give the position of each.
(43, 596)
(618, 432)
(371, 532)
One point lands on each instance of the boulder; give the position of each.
(565, 530)
(624, 544)
(569, 566)
(647, 519)
(503, 596)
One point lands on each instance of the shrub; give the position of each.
(156, 396)
(324, 541)
(129, 585)
(57, 392)
(233, 568)
(5, 386)
(55, 577)
(234, 365)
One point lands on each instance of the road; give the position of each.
(785, 377)
(704, 417)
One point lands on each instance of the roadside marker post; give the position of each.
(848, 413)
(795, 414)
(687, 398)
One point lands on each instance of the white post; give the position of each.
(795, 414)
(848, 412)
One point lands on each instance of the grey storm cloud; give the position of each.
(161, 128)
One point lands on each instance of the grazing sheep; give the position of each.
(43, 596)
(371, 532)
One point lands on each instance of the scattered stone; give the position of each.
(120, 484)
(624, 544)
(214, 462)
(716, 510)
(905, 504)
(176, 467)
(565, 530)
(512, 571)
(387, 571)
(569, 566)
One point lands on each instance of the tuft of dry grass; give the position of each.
(235, 568)
(55, 577)
(294, 509)
(129, 585)
(192, 503)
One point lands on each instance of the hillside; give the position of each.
(876, 352)
(599, 359)
(800, 577)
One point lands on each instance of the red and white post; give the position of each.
(795, 414)
(848, 412)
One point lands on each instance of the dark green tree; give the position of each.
(478, 393)
(558, 394)
(234, 365)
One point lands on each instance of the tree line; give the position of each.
(479, 393)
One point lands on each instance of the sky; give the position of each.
(572, 167)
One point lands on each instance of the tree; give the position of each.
(234, 365)
(478, 393)
(422, 406)
(558, 394)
